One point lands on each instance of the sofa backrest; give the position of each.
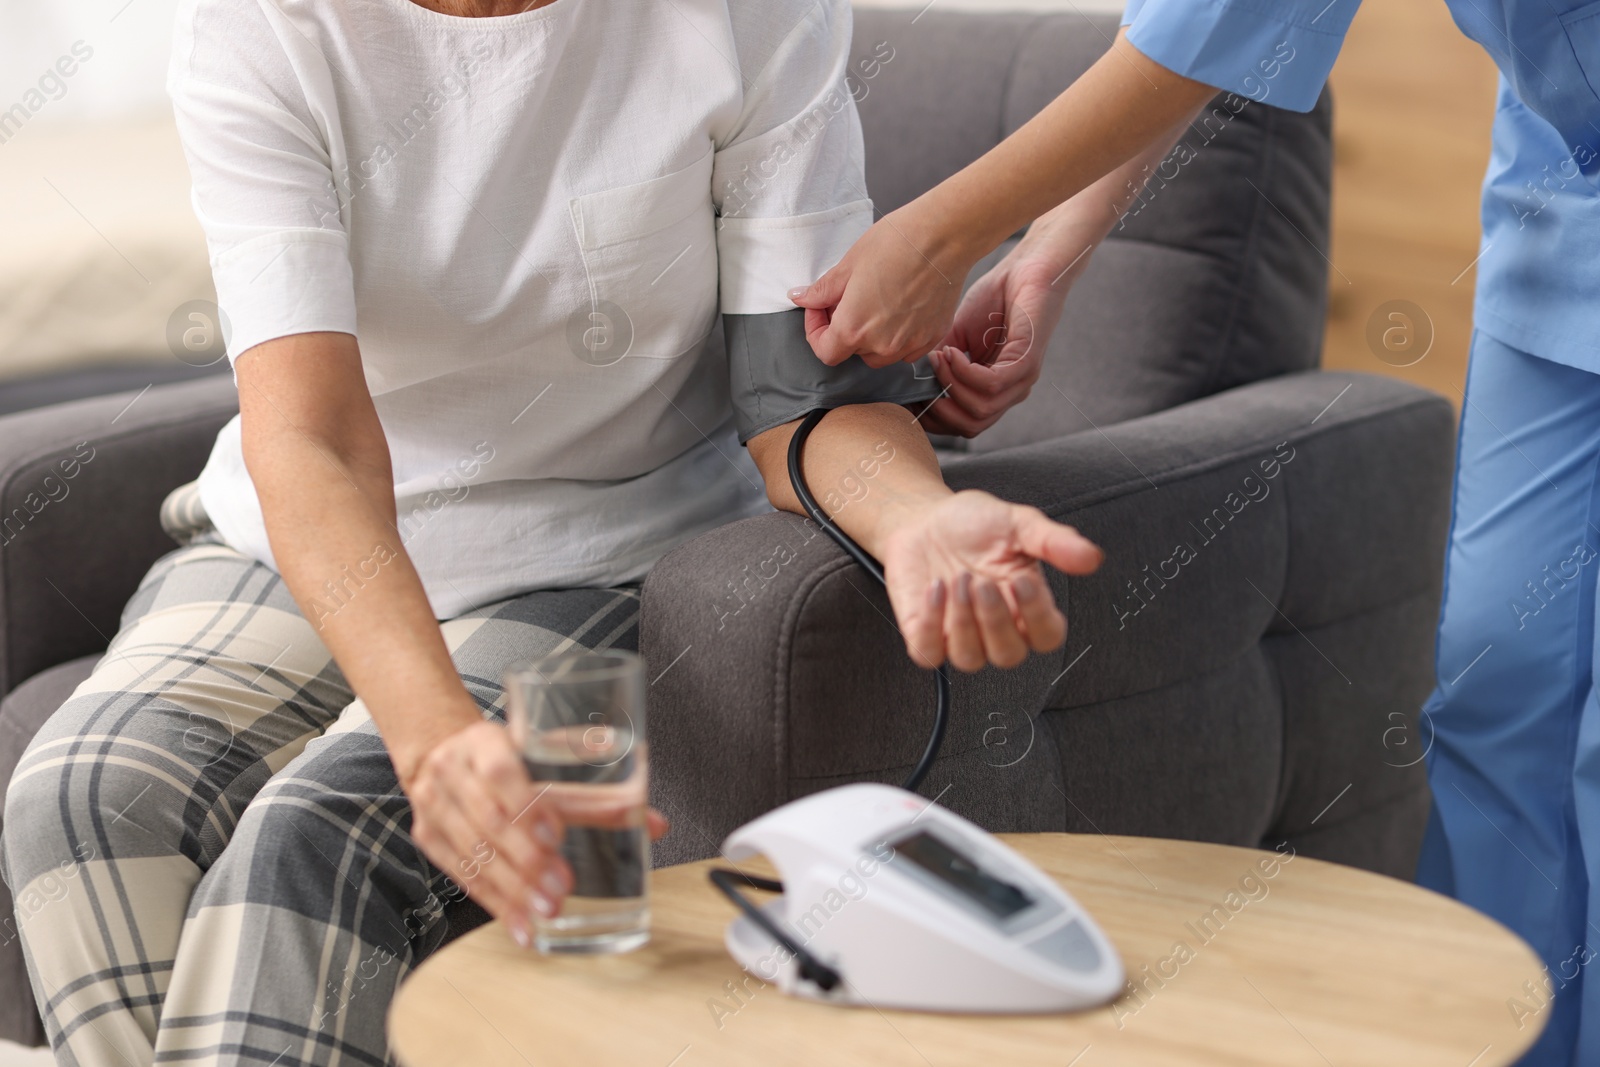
(1215, 278)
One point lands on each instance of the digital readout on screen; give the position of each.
(999, 898)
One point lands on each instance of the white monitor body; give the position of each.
(916, 908)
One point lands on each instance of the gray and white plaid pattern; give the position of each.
(208, 848)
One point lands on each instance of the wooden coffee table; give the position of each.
(1312, 964)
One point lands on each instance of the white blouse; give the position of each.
(529, 223)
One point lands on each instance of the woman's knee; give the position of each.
(39, 838)
(74, 798)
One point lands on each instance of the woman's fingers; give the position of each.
(1002, 644)
(454, 845)
(498, 765)
(1043, 622)
(985, 623)
(963, 641)
(829, 344)
(924, 629)
(821, 299)
(513, 845)
(983, 557)
(975, 377)
(981, 307)
(656, 823)
(509, 855)
(823, 293)
(478, 818)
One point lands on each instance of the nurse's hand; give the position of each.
(891, 298)
(993, 354)
(966, 582)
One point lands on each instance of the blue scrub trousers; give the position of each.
(1515, 756)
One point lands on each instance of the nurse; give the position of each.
(1515, 758)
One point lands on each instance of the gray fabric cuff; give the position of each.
(775, 377)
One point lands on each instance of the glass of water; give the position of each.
(578, 718)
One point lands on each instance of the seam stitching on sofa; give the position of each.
(1247, 260)
(1209, 257)
(1280, 792)
(1352, 616)
(787, 630)
(1229, 664)
(1368, 809)
(1188, 678)
(1175, 474)
(946, 751)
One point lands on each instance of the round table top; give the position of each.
(1240, 957)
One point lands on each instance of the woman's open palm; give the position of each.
(966, 583)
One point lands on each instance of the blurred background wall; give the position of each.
(1413, 103)
(97, 243)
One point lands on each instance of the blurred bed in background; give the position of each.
(98, 246)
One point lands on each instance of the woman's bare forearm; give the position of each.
(867, 465)
(1122, 107)
(317, 455)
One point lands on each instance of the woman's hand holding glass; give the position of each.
(481, 820)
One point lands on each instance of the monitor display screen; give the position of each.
(955, 871)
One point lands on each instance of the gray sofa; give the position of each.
(1258, 684)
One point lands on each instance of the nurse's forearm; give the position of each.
(1066, 234)
(1123, 106)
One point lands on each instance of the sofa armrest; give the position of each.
(767, 645)
(81, 486)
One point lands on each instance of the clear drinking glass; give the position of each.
(578, 718)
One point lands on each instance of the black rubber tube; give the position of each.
(811, 968)
(797, 479)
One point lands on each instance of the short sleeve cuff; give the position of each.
(294, 281)
(761, 259)
(1272, 51)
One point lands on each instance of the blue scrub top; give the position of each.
(1539, 266)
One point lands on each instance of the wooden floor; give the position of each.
(1413, 103)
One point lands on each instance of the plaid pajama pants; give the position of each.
(208, 847)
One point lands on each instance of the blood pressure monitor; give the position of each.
(890, 900)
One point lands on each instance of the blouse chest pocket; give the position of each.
(649, 252)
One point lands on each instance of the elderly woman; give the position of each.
(473, 255)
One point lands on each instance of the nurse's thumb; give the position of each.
(822, 293)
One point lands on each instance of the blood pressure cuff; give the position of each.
(776, 378)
